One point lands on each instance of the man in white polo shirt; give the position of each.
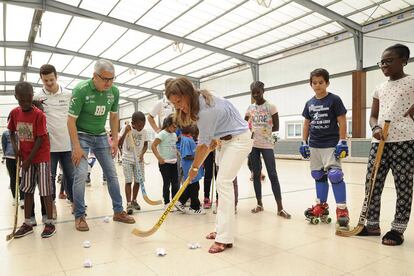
(56, 100)
(162, 109)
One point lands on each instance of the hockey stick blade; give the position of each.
(141, 233)
(152, 202)
(344, 233)
(16, 214)
(144, 193)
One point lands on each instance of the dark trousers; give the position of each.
(399, 157)
(191, 192)
(209, 164)
(169, 174)
(65, 159)
(11, 165)
(270, 163)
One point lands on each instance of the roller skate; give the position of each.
(318, 213)
(342, 218)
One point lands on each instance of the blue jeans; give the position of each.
(100, 146)
(65, 159)
(269, 160)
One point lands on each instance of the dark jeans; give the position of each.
(209, 164)
(65, 159)
(270, 162)
(169, 174)
(11, 168)
(191, 192)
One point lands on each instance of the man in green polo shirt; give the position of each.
(90, 104)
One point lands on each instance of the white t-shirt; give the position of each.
(56, 108)
(162, 109)
(260, 118)
(395, 98)
(139, 138)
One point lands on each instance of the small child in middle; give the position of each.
(165, 149)
(134, 145)
(187, 152)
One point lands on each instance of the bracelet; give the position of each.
(375, 127)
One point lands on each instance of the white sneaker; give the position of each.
(180, 207)
(200, 211)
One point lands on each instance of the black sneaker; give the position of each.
(49, 230)
(24, 230)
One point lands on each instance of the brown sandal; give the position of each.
(282, 213)
(218, 247)
(257, 209)
(211, 236)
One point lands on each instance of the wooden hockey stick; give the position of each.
(369, 191)
(164, 215)
(141, 181)
(16, 195)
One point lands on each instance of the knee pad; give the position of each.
(335, 176)
(319, 175)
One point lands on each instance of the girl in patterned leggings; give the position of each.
(394, 101)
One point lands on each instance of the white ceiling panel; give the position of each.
(126, 43)
(78, 32)
(103, 37)
(53, 26)
(60, 61)
(101, 6)
(18, 23)
(39, 58)
(14, 57)
(128, 10)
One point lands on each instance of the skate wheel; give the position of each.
(315, 221)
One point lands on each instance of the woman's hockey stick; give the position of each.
(141, 181)
(164, 215)
(370, 189)
(16, 195)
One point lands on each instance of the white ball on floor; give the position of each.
(106, 219)
(161, 252)
(87, 263)
(86, 244)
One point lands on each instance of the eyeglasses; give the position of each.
(386, 62)
(106, 79)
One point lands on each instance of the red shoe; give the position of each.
(342, 217)
(218, 247)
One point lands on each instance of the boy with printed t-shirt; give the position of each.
(134, 142)
(29, 124)
(325, 130)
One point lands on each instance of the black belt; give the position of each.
(227, 137)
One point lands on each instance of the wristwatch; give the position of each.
(194, 169)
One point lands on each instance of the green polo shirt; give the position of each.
(91, 106)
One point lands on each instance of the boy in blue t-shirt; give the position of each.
(325, 130)
(187, 152)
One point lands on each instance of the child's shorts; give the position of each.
(40, 174)
(323, 159)
(131, 172)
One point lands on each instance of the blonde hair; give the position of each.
(183, 87)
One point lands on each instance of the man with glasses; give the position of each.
(91, 102)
